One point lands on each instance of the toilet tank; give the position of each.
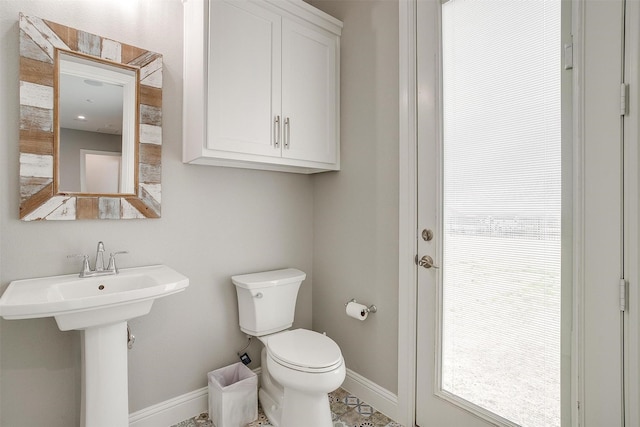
(267, 300)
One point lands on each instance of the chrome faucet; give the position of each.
(99, 269)
(100, 257)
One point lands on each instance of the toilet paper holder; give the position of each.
(371, 309)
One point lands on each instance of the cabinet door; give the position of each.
(244, 70)
(309, 93)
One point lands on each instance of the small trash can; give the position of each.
(233, 396)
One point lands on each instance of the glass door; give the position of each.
(490, 192)
(500, 343)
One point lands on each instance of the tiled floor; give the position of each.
(346, 411)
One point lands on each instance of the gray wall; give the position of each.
(355, 249)
(215, 222)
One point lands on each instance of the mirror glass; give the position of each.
(90, 125)
(93, 132)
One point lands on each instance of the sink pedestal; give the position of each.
(100, 307)
(105, 379)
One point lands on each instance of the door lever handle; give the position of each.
(426, 261)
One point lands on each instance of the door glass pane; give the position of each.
(501, 252)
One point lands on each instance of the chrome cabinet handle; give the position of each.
(287, 136)
(276, 132)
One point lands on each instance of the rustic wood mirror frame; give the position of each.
(40, 41)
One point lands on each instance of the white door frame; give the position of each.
(408, 213)
(632, 214)
(408, 220)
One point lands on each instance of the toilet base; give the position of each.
(310, 410)
(271, 394)
(270, 407)
(292, 398)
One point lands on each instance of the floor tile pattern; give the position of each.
(347, 410)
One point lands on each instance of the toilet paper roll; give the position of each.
(357, 311)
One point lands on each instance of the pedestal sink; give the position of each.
(100, 307)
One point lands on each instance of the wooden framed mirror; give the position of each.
(63, 73)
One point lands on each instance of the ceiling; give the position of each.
(100, 104)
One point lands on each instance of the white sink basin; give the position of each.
(99, 287)
(82, 303)
(100, 307)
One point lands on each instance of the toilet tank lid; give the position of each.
(268, 278)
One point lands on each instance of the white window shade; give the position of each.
(502, 206)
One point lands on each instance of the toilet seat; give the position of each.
(304, 350)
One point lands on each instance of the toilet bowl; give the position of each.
(299, 367)
(302, 366)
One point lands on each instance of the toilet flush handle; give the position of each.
(258, 295)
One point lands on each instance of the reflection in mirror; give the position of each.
(56, 171)
(95, 112)
(73, 143)
(100, 171)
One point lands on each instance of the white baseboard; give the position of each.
(172, 411)
(380, 398)
(191, 404)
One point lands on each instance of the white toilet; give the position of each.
(299, 367)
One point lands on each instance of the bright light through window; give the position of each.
(502, 198)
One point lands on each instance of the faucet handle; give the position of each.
(85, 263)
(112, 261)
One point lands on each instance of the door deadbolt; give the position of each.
(427, 235)
(426, 261)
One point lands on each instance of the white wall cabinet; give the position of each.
(261, 85)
